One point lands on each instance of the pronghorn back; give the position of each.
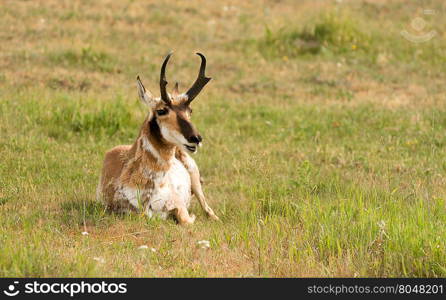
(114, 162)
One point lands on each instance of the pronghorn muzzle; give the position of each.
(190, 134)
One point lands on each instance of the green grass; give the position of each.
(331, 33)
(87, 58)
(324, 139)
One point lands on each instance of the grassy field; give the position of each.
(324, 136)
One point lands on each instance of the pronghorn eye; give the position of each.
(162, 112)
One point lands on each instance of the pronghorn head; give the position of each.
(171, 113)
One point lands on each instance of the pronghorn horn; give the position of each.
(175, 89)
(163, 81)
(200, 82)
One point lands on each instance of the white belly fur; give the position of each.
(171, 190)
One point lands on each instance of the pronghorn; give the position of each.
(155, 174)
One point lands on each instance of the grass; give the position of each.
(86, 59)
(324, 136)
(332, 33)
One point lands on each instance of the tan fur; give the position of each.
(125, 164)
(114, 162)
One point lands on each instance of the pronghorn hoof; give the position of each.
(188, 221)
(191, 219)
(214, 217)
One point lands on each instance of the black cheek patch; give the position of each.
(154, 128)
(185, 127)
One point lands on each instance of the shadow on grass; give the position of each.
(4, 200)
(82, 211)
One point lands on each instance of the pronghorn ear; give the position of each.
(144, 95)
(175, 91)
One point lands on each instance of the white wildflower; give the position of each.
(204, 244)
(99, 259)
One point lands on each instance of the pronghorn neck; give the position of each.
(152, 147)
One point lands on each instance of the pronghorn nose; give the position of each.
(196, 139)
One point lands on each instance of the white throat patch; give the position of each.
(147, 145)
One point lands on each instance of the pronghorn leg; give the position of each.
(198, 192)
(194, 173)
(183, 217)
